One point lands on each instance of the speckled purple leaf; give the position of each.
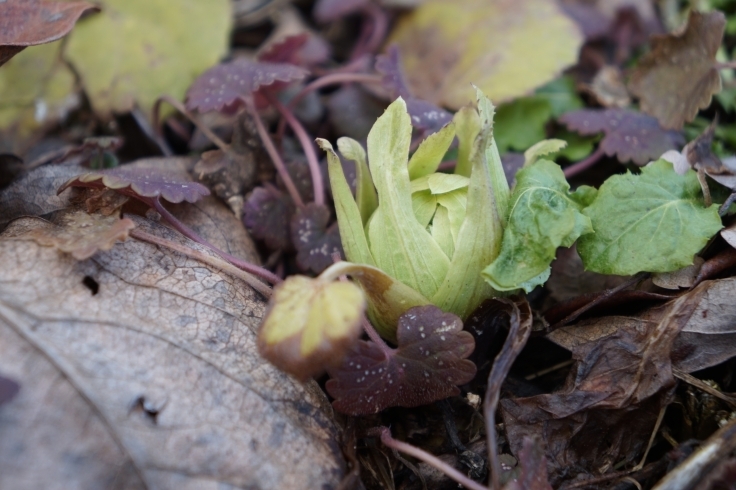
(284, 51)
(8, 389)
(267, 214)
(424, 115)
(225, 86)
(428, 364)
(141, 183)
(314, 242)
(630, 135)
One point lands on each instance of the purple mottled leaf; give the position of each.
(424, 115)
(225, 86)
(428, 364)
(314, 242)
(8, 389)
(630, 135)
(141, 183)
(352, 110)
(329, 10)
(284, 51)
(267, 214)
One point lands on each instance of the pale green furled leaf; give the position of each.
(543, 148)
(521, 123)
(441, 233)
(467, 127)
(501, 191)
(134, 51)
(444, 183)
(456, 205)
(479, 237)
(654, 222)
(365, 193)
(401, 246)
(428, 156)
(424, 205)
(387, 297)
(544, 216)
(350, 222)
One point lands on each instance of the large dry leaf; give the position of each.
(139, 370)
(506, 47)
(678, 77)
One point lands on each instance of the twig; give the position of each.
(520, 327)
(193, 235)
(274, 154)
(306, 141)
(207, 259)
(723, 210)
(584, 164)
(430, 459)
(692, 380)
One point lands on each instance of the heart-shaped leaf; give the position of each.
(428, 364)
(630, 135)
(225, 86)
(314, 242)
(141, 182)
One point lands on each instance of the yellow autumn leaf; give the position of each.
(134, 51)
(310, 324)
(37, 89)
(507, 48)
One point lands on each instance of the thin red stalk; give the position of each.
(325, 81)
(379, 28)
(193, 235)
(180, 107)
(306, 141)
(274, 154)
(727, 65)
(220, 264)
(430, 459)
(585, 164)
(376, 338)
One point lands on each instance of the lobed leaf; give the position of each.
(315, 243)
(630, 135)
(226, 86)
(428, 364)
(310, 324)
(141, 182)
(654, 222)
(544, 216)
(678, 76)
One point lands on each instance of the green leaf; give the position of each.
(561, 95)
(134, 51)
(543, 148)
(365, 193)
(479, 236)
(429, 155)
(654, 222)
(521, 123)
(544, 216)
(578, 146)
(499, 184)
(350, 221)
(401, 246)
(467, 127)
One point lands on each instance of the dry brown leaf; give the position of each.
(139, 370)
(678, 77)
(81, 234)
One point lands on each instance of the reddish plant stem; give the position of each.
(727, 65)
(183, 110)
(274, 154)
(584, 164)
(376, 338)
(193, 235)
(220, 264)
(374, 30)
(430, 459)
(306, 141)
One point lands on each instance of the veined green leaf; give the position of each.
(654, 222)
(350, 222)
(544, 215)
(501, 192)
(400, 245)
(365, 193)
(424, 205)
(441, 232)
(541, 149)
(479, 237)
(428, 156)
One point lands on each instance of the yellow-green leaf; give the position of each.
(37, 89)
(365, 193)
(428, 156)
(310, 325)
(506, 48)
(137, 50)
(541, 149)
